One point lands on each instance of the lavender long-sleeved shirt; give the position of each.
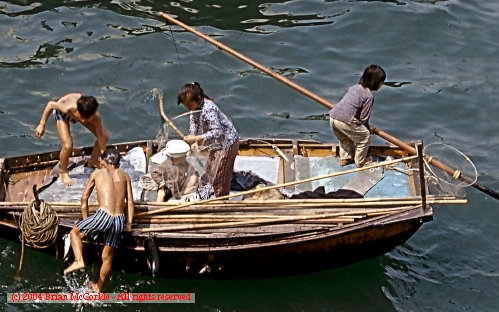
(215, 127)
(357, 103)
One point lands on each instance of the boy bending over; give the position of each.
(73, 108)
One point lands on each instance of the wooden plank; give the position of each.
(20, 188)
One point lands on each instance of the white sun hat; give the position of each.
(159, 157)
(177, 148)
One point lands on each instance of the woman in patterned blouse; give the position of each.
(213, 129)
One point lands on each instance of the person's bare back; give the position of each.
(111, 186)
(114, 191)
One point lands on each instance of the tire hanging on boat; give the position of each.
(152, 255)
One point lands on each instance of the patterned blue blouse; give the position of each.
(215, 127)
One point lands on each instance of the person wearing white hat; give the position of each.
(174, 175)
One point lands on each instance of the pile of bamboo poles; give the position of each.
(252, 213)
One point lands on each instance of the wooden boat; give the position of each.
(247, 238)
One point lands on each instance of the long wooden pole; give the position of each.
(329, 105)
(75, 207)
(266, 70)
(245, 206)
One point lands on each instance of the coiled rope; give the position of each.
(39, 223)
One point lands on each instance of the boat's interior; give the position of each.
(389, 194)
(278, 162)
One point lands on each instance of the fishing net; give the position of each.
(197, 174)
(460, 173)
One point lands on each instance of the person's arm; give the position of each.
(191, 184)
(194, 120)
(157, 174)
(40, 129)
(130, 204)
(96, 126)
(101, 132)
(194, 129)
(86, 194)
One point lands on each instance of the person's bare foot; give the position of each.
(345, 162)
(66, 179)
(95, 287)
(366, 162)
(77, 265)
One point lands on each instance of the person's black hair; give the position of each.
(190, 91)
(373, 77)
(111, 156)
(87, 105)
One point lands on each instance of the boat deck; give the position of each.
(374, 183)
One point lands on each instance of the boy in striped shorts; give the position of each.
(114, 191)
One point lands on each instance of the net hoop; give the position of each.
(452, 158)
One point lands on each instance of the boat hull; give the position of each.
(200, 256)
(260, 249)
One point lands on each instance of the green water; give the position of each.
(441, 58)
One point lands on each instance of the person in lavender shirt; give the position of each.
(349, 119)
(210, 127)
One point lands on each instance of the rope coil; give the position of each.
(39, 226)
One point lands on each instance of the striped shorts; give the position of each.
(103, 226)
(61, 116)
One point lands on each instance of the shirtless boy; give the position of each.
(114, 191)
(73, 108)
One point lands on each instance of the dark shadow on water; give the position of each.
(351, 288)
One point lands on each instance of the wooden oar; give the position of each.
(385, 163)
(329, 105)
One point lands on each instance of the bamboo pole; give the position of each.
(385, 163)
(189, 218)
(281, 202)
(208, 221)
(285, 204)
(246, 202)
(249, 61)
(330, 105)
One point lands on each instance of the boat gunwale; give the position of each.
(41, 160)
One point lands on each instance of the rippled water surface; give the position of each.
(441, 59)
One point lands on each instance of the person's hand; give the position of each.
(40, 130)
(128, 227)
(191, 139)
(194, 146)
